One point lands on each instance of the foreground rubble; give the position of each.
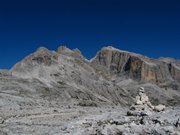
(50, 118)
(113, 123)
(87, 121)
(142, 118)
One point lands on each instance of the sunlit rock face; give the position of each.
(112, 61)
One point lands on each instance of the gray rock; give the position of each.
(159, 108)
(61, 92)
(112, 61)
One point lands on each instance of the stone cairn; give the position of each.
(143, 106)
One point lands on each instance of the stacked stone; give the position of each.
(143, 106)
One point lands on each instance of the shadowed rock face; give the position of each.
(113, 61)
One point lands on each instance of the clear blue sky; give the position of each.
(149, 27)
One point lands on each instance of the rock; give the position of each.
(64, 50)
(93, 77)
(5, 73)
(48, 90)
(3, 133)
(113, 122)
(159, 108)
(143, 106)
(150, 105)
(76, 53)
(110, 60)
(138, 113)
(2, 120)
(157, 121)
(138, 100)
(55, 111)
(177, 124)
(142, 101)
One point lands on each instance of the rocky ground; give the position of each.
(86, 121)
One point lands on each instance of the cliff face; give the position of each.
(113, 61)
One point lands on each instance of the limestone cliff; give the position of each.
(111, 61)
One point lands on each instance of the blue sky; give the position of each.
(149, 27)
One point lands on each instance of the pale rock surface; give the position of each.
(111, 61)
(159, 108)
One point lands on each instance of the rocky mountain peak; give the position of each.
(111, 61)
(42, 50)
(76, 53)
(113, 49)
(110, 48)
(63, 50)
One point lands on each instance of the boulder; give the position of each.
(2, 120)
(159, 108)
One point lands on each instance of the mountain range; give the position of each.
(66, 77)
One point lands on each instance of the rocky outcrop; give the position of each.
(76, 53)
(173, 66)
(159, 108)
(34, 65)
(112, 61)
(42, 56)
(5, 73)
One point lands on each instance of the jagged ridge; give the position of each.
(111, 77)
